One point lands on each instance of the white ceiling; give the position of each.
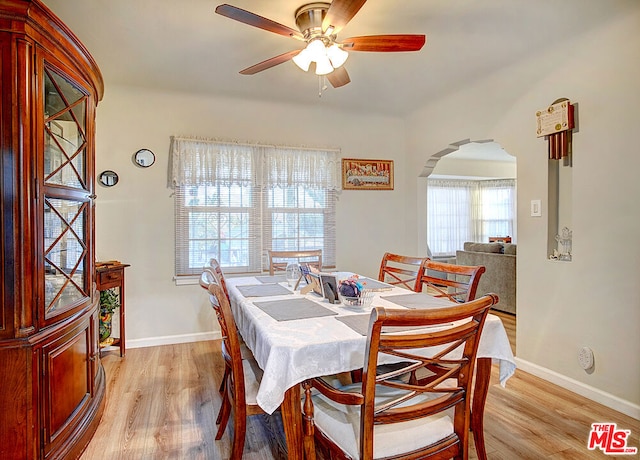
(184, 46)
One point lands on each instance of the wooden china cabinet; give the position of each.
(52, 383)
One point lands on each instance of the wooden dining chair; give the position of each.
(211, 273)
(278, 260)
(243, 380)
(387, 417)
(458, 283)
(400, 270)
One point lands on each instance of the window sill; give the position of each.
(186, 280)
(195, 279)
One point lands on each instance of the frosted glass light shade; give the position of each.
(303, 59)
(316, 49)
(337, 55)
(323, 66)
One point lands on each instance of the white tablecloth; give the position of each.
(290, 352)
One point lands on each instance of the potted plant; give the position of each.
(109, 301)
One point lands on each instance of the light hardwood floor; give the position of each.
(162, 403)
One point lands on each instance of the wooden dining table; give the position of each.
(295, 337)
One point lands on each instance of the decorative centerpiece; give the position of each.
(353, 293)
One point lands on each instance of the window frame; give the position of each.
(303, 169)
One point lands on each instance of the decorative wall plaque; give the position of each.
(555, 118)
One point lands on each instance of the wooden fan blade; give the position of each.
(384, 43)
(274, 61)
(340, 13)
(339, 77)
(254, 20)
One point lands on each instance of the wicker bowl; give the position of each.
(362, 301)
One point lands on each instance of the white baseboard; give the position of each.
(594, 394)
(172, 339)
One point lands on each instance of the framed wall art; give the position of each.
(359, 174)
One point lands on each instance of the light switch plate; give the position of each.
(536, 208)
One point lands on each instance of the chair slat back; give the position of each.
(278, 260)
(400, 270)
(458, 283)
(441, 377)
(208, 274)
(230, 338)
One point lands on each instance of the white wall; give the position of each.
(593, 300)
(135, 222)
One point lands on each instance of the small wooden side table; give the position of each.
(110, 275)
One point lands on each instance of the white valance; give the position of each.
(202, 162)
(315, 169)
(208, 162)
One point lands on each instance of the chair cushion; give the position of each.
(341, 423)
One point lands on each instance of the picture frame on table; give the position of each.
(365, 174)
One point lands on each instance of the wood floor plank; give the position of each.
(162, 403)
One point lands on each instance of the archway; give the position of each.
(479, 150)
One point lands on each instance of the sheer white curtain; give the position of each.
(204, 162)
(496, 209)
(235, 201)
(468, 210)
(450, 220)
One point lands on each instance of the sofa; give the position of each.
(499, 260)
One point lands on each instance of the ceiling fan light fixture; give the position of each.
(315, 51)
(337, 55)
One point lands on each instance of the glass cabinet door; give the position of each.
(66, 195)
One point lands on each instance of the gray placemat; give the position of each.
(290, 309)
(375, 285)
(360, 324)
(263, 290)
(267, 279)
(418, 300)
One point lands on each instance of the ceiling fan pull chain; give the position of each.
(322, 84)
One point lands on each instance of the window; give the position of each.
(468, 210)
(298, 218)
(234, 202)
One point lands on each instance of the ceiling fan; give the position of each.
(319, 24)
